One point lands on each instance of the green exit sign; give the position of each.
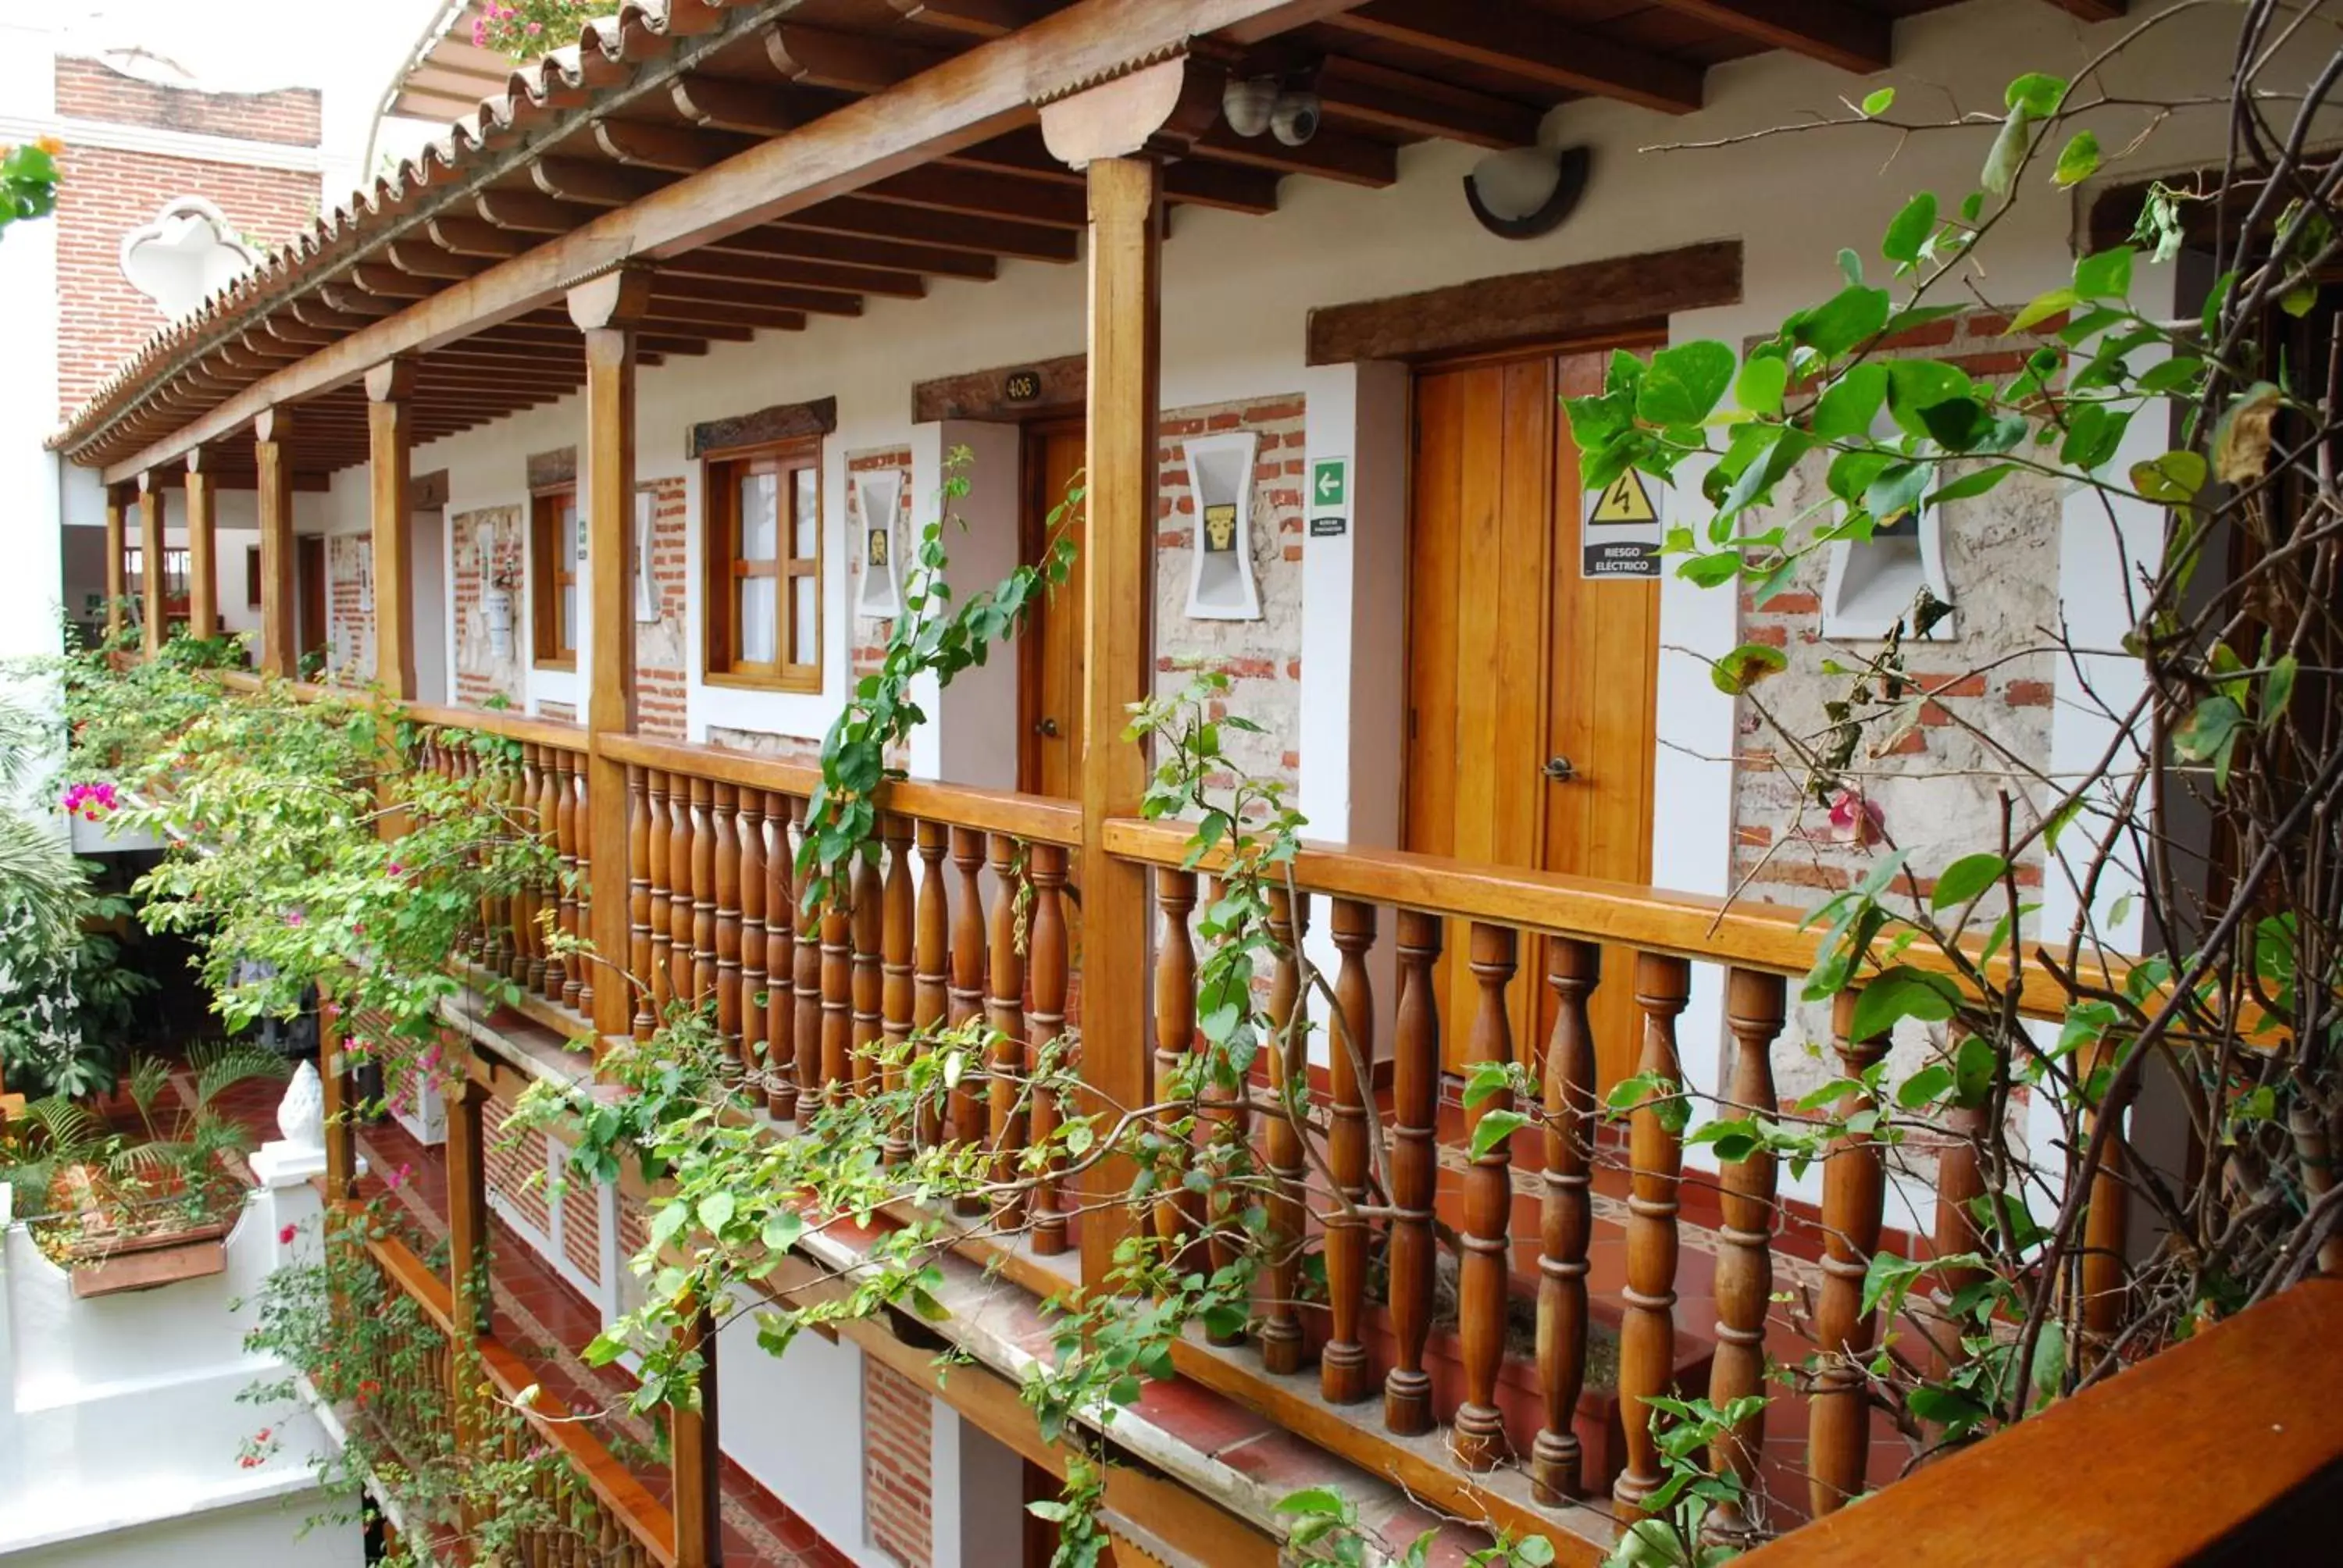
(1330, 482)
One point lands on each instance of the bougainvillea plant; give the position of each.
(528, 28)
(28, 180)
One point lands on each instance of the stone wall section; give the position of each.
(1262, 657)
(1982, 706)
(349, 569)
(481, 673)
(664, 651)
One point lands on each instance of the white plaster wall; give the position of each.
(32, 588)
(766, 1421)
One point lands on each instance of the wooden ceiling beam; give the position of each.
(1364, 93)
(737, 270)
(1839, 34)
(475, 237)
(984, 195)
(593, 184)
(892, 256)
(391, 283)
(1330, 155)
(1522, 41)
(977, 18)
(671, 290)
(847, 62)
(420, 256)
(530, 211)
(856, 216)
(671, 149)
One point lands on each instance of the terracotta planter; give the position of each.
(145, 1263)
(1602, 1436)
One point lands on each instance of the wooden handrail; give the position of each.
(555, 732)
(628, 1500)
(1681, 925)
(2225, 1449)
(1036, 819)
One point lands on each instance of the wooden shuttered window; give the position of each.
(764, 588)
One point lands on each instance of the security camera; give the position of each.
(1294, 120)
(1246, 104)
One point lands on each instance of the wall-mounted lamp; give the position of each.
(1526, 192)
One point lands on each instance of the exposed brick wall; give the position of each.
(565, 711)
(349, 563)
(93, 90)
(481, 672)
(1262, 657)
(898, 1458)
(512, 1157)
(581, 1226)
(634, 1235)
(1936, 781)
(788, 747)
(106, 193)
(663, 648)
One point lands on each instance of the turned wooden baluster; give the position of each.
(1046, 938)
(497, 794)
(527, 936)
(570, 824)
(1960, 1182)
(1414, 1259)
(655, 989)
(1289, 1076)
(1855, 1194)
(1647, 1333)
(868, 931)
(966, 1116)
(751, 825)
(1479, 1440)
(703, 890)
(1224, 1128)
(895, 973)
(931, 974)
(679, 888)
(1342, 1372)
(1568, 1218)
(1175, 1208)
(725, 817)
(1004, 1008)
(556, 895)
(582, 966)
(1754, 1006)
(780, 957)
(809, 1016)
(837, 989)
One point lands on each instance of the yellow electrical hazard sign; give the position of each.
(1625, 500)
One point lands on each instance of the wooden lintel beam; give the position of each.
(964, 100)
(1522, 41)
(978, 18)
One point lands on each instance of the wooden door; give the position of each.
(1050, 754)
(310, 571)
(1529, 688)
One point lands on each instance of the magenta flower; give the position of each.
(285, 1237)
(292, 916)
(1854, 819)
(395, 869)
(90, 801)
(398, 1177)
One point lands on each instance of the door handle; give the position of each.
(1560, 770)
(1047, 728)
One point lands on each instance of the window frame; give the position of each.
(720, 473)
(547, 579)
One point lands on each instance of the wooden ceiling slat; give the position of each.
(723, 104)
(857, 216)
(849, 61)
(981, 194)
(668, 286)
(735, 269)
(671, 149)
(860, 250)
(1364, 93)
(1330, 154)
(1508, 36)
(977, 18)
(593, 184)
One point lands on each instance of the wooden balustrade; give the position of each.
(588, 1511)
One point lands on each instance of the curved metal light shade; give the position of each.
(1569, 186)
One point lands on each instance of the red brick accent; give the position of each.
(2028, 694)
(108, 192)
(93, 90)
(1800, 873)
(660, 682)
(511, 1158)
(581, 1226)
(898, 1461)
(565, 711)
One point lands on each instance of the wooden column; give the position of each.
(390, 433)
(278, 633)
(467, 1201)
(334, 1085)
(1160, 107)
(203, 559)
(117, 548)
(697, 1460)
(605, 310)
(150, 551)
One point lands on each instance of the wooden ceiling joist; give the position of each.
(738, 268)
(1330, 154)
(1362, 92)
(723, 104)
(1534, 46)
(1837, 33)
(856, 216)
(849, 61)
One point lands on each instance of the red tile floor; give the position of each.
(539, 1318)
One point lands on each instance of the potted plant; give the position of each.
(144, 1196)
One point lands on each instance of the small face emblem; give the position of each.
(876, 554)
(1221, 529)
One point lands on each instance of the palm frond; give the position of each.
(67, 1129)
(149, 1078)
(220, 1067)
(39, 873)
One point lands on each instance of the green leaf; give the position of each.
(1322, 1501)
(2078, 160)
(1975, 483)
(2277, 689)
(715, 1212)
(1925, 1087)
(782, 1229)
(2105, 273)
(2173, 478)
(1493, 1127)
(1910, 229)
(1847, 407)
(1899, 993)
(1878, 102)
(1761, 384)
(2008, 151)
(1683, 385)
(1746, 665)
(1966, 879)
(2037, 94)
(1915, 386)
(2042, 307)
(1853, 315)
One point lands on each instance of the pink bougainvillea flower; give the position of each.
(285, 1237)
(1856, 819)
(395, 869)
(292, 916)
(398, 1178)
